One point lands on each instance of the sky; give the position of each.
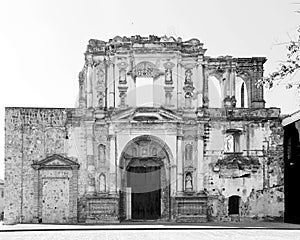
(42, 43)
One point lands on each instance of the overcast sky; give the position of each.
(42, 42)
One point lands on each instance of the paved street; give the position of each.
(155, 235)
(240, 231)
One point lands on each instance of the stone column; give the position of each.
(233, 77)
(89, 88)
(228, 83)
(180, 80)
(110, 85)
(112, 164)
(200, 172)
(205, 86)
(179, 165)
(200, 86)
(90, 158)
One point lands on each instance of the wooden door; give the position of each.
(146, 193)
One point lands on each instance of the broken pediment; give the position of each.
(55, 161)
(148, 114)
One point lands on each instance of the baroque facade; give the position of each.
(161, 132)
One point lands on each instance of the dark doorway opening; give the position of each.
(145, 183)
(291, 173)
(234, 205)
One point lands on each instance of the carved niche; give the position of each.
(168, 72)
(100, 85)
(188, 76)
(188, 182)
(122, 72)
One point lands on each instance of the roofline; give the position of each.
(291, 118)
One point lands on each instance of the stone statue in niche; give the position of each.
(122, 77)
(168, 76)
(229, 143)
(102, 183)
(188, 182)
(188, 76)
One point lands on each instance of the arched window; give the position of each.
(188, 152)
(102, 183)
(234, 205)
(241, 94)
(101, 153)
(214, 93)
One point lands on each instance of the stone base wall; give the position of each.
(191, 208)
(102, 209)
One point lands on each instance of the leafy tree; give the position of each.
(288, 68)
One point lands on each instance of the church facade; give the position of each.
(161, 132)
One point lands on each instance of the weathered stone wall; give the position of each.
(255, 175)
(30, 135)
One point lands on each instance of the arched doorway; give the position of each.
(144, 171)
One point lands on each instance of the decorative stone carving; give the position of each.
(188, 182)
(122, 76)
(168, 72)
(168, 96)
(122, 72)
(188, 99)
(188, 76)
(102, 183)
(146, 69)
(168, 76)
(229, 143)
(100, 97)
(122, 96)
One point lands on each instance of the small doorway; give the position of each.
(234, 205)
(145, 184)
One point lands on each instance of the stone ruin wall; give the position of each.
(261, 192)
(31, 134)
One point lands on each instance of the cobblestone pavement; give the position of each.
(154, 235)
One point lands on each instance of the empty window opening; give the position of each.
(144, 92)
